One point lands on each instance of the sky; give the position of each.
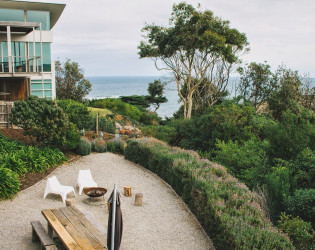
(103, 35)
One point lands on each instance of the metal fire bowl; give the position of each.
(95, 191)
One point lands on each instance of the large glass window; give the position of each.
(18, 53)
(46, 56)
(37, 87)
(11, 15)
(42, 17)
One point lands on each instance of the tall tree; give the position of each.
(156, 90)
(254, 84)
(70, 81)
(287, 92)
(196, 45)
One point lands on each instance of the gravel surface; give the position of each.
(162, 222)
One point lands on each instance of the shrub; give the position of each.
(104, 124)
(116, 146)
(9, 183)
(164, 133)
(289, 137)
(72, 137)
(247, 162)
(77, 112)
(99, 145)
(302, 204)
(84, 147)
(299, 231)
(43, 119)
(225, 207)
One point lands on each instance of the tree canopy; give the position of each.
(70, 81)
(196, 45)
(156, 90)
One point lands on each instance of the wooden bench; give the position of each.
(39, 233)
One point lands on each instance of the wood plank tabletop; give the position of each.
(74, 229)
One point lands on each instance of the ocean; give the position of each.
(115, 86)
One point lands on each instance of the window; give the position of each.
(37, 88)
(46, 56)
(42, 17)
(11, 15)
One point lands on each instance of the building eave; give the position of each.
(54, 8)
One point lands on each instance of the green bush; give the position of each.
(9, 183)
(164, 133)
(77, 112)
(299, 231)
(99, 145)
(44, 120)
(84, 147)
(104, 124)
(302, 204)
(247, 162)
(304, 170)
(225, 122)
(116, 146)
(289, 137)
(225, 207)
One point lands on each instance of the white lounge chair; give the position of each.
(53, 186)
(85, 179)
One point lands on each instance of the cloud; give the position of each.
(108, 32)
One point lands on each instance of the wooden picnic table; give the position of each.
(75, 229)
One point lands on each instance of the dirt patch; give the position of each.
(18, 135)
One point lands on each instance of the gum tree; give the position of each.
(196, 45)
(70, 81)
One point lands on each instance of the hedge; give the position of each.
(224, 206)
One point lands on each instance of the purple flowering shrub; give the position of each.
(225, 207)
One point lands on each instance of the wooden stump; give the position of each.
(127, 191)
(69, 202)
(138, 199)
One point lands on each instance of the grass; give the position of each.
(102, 112)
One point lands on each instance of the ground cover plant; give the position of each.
(225, 207)
(16, 160)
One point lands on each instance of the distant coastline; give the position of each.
(116, 86)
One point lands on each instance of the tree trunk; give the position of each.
(190, 105)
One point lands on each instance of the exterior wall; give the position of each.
(29, 55)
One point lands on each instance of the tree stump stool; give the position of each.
(127, 191)
(69, 202)
(138, 199)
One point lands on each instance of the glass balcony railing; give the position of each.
(20, 64)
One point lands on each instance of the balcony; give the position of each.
(20, 64)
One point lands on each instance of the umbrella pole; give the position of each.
(114, 217)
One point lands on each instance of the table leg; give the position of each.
(50, 231)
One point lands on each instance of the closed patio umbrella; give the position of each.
(115, 222)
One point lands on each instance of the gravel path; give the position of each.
(163, 222)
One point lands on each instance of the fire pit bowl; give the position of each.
(94, 191)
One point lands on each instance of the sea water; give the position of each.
(116, 86)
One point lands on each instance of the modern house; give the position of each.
(26, 35)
